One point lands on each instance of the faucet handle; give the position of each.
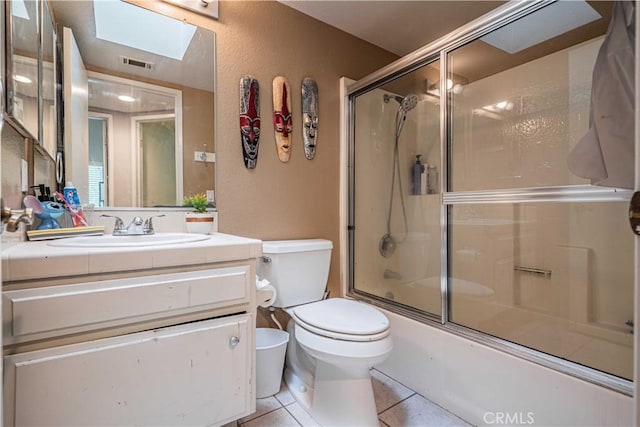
(13, 218)
(148, 224)
(119, 225)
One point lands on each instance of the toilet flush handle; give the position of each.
(265, 259)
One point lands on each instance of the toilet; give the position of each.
(333, 342)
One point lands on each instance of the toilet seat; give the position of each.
(342, 319)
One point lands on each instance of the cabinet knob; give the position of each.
(233, 342)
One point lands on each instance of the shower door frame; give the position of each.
(439, 50)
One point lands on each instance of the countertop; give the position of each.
(38, 260)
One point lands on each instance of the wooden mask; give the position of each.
(282, 121)
(309, 116)
(250, 120)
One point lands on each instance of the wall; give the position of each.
(278, 200)
(298, 199)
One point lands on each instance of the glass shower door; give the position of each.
(396, 242)
(537, 255)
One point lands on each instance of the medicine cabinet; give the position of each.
(32, 92)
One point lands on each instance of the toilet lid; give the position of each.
(342, 316)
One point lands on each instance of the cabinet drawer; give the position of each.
(192, 374)
(49, 311)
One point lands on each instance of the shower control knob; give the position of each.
(233, 342)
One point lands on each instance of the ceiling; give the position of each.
(397, 26)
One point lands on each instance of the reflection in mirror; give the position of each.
(135, 143)
(116, 47)
(23, 87)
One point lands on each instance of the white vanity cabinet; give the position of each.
(192, 374)
(173, 345)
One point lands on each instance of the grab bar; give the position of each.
(545, 273)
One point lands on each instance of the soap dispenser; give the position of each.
(418, 170)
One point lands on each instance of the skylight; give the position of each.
(543, 24)
(139, 28)
(19, 9)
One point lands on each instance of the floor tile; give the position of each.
(263, 406)
(284, 396)
(301, 415)
(387, 391)
(277, 418)
(419, 412)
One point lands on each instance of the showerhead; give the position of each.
(407, 103)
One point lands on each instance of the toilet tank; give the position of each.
(298, 269)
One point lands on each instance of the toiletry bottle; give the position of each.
(418, 170)
(73, 201)
(432, 180)
(71, 195)
(424, 181)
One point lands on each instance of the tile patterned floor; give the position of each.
(397, 406)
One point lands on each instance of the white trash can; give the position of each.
(271, 347)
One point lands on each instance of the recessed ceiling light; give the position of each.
(133, 26)
(22, 79)
(126, 98)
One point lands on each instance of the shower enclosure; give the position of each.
(462, 209)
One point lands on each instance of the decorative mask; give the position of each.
(250, 120)
(309, 116)
(282, 121)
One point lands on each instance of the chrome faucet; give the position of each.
(137, 226)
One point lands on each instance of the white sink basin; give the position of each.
(111, 241)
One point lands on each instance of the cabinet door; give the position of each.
(191, 374)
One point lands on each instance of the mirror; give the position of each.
(151, 112)
(22, 65)
(49, 137)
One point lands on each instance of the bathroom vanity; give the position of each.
(144, 335)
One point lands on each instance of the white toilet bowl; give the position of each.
(333, 345)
